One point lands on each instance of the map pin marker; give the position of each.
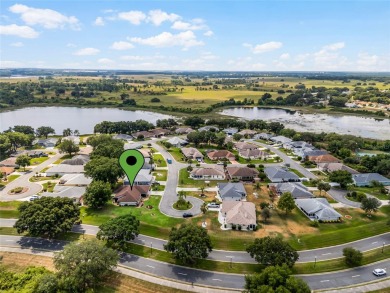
(131, 162)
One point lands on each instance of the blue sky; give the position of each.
(196, 35)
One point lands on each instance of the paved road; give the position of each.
(170, 192)
(208, 278)
(33, 188)
(340, 196)
(242, 256)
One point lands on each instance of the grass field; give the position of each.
(161, 175)
(159, 160)
(37, 161)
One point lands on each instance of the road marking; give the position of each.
(324, 281)
(374, 242)
(355, 276)
(326, 253)
(150, 266)
(182, 274)
(217, 280)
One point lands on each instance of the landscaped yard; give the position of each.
(373, 191)
(60, 160)
(161, 175)
(300, 175)
(37, 161)
(185, 181)
(10, 178)
(8, 209)
(41, 178)
(48, 186)
(159, 160)
(176, 154)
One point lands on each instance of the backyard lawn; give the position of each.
(37, 161)
(159, 160)
(161, 175)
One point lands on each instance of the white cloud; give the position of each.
(17, 44)
(86, 52)
(334, 47)
(141, 58)
(366, 61)
(105, 61)
(285, 56)
(71, 45)
(184, 39)
(157, 17)
(181, 25)
(99, 21)
(208, 33)
(19, 31)
(262, 48)
(47, 18)
(329, 58)
(10, 64)
(121, 45)
(134, 17)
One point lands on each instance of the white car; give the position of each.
(34, 197)
(379, 272)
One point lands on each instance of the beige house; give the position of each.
(220, 155)
(247, 132)
(239, 214)
(331, 167)
(253, 154)
(241, 173)
(208, 174)
(241, 146)
(192, 153)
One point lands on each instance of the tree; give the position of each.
(272, 251)
(23, 161)
(112, 149)
(83, 265)
(286, 202)
(67, 132)
(188, 243)
(237, 136)
(48, 283)
(104, 169)
(44, 131)
(18, 139)
(97, 194)
(119, 230)
(370, 204)
(265, 214)
(5, 145)
(323, 186)
(342, 177)
(275, 279)
(24, 129)
(47, 216)
(353, 257)
(68, 146)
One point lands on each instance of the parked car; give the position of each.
(169, 161)
(187, 215)
(33, 197)
(213, 205)
(379, 272)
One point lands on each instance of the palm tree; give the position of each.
(201, 190)
(203, 208)
(257, 186)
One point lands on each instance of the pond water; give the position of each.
(82, 119)
(342, 124)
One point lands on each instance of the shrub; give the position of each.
(251, 166)
(314, 223)
(264, 205)
(239, 228)
(234, 227)
(360, 196)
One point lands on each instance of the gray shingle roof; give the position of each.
(276, 173)
(297, 190)
(366, 178)
(319, 207)
(231, 190)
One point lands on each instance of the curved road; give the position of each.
(320, 254)
(234, 281)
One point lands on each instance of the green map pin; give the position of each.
(131, 162)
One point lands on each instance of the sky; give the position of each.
(196, 35)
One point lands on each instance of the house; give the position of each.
(63, 169)
(46, 142)
(159, 132)
(143, 134)
(313, 153)
(238, 214)
(35, 154)
(208, 173)
(147, 164)
(323, 159)
(192, 154)
(247, 132)
(281, 139)
(241, 173)
(230, 131)
(263, 135)
(221, 154)
(209, 128)
(242, 146)
(10, 162)
(73, 192)
(146, 153)
(127, 196)
(144, 177)
(5, 171)
(296, 189)
(75, 180)
(177, 142)
(122, 136)
(318, 209)
(280, 174)
(365, 179)
(231, 191)
(253, 154)
(72, 138)
(132, 146)
(331, 167)
(77, 160)
(184, 130)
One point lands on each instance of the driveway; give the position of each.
(340, 196)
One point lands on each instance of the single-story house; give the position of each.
(242, 146)
(35, 154)
(10, 162)
(241, 173)
(221, 154)
(46, 142)
(231, 191)
(318, 209)
(132, 146)
(123, 136)
(73, 192)
(73, 138)
(144, 177)
(209, 128)
(77, 160)
(144, 134)
(331, 167)
(75, 180)
(208, 173)
(158, 132)
(184, 130)
(239, 214)
(6, 170)
(324, 159)
(312, 153)
(177, 141)
(280, 174)
(263, 135)
(247, 132)
(297, 189)
(365, 179)
(63, 169)
(280, 139)
(146, 153)
(230, 131)
(127, 196)
(192, 153)
(253, 154)
(147, 164)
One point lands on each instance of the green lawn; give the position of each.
(10, 178)
(49, 188)
(158, 187)
(176, 154)
(37, 161)
(373, 191)
(41, 178)
(185, 181)
(161, 175)
(300, 175)
(159, 160)
(63, 158)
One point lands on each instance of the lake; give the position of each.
(347, 124)
(82, 119)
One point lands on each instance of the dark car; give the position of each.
(187, 215)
